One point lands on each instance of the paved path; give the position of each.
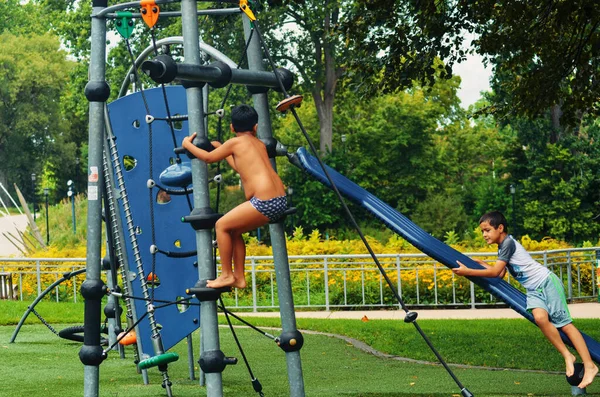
(578, 310)
(10, 224)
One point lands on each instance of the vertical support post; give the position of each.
(569, 278)
(97, 93)
(278, 242)
(326, 281)
(206, 267)
(472, 294)
(254, 296)
(38, 275)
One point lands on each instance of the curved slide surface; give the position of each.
(424, 241)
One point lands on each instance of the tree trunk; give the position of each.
(555, 114)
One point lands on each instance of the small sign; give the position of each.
(92, 193)
(93, 175)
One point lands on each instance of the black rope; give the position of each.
(351, 216)
(44, 321)
(255, 382)
(227, 311)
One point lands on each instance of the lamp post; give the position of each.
(47, 222)
(512, 193)
(33, 189)
(76, 174)
(71, 195)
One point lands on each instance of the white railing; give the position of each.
(329, 282)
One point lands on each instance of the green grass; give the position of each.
(331, 366)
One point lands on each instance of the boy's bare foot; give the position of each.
(588, 377)
(569, 362)
(239, 283)
(221, 281)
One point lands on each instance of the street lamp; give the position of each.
(512, 193)
(33, 188)
(47, 223)
(71, 195)
(76, 173)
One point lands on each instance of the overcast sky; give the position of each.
(475, 77)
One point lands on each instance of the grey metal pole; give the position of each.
(97, 92)
(278, 242)
(208, 310)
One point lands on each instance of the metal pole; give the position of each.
(47, 222)
(33, 193)
(73, 214)
(206, 269)
(97, 92)
(278, 242)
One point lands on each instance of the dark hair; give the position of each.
(495, 219)
(243, 118)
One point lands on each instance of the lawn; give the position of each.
(42, 363)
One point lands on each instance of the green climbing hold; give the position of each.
(124, 23)
(158, 360)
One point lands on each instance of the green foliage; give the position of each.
(543, 54)
(440, 214)
(31, 79)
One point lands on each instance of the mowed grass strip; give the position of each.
(40, 362)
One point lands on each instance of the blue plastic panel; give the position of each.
(128, 120)
(425, 242)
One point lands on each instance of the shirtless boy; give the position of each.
(263, 188)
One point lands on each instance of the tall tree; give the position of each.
(308, 39)
(32, 78)
(546, 55)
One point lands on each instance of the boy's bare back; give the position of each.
(252, 163)
(247, 155)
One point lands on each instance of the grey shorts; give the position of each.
(272, 208)
(550, 296)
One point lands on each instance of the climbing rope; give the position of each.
(290, 103)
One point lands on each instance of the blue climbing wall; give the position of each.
(128, 121)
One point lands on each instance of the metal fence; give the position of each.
(328, 282)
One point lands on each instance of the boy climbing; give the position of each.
(545, 292)
(263, 189)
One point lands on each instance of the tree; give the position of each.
(32, 78)
(545, 54)
(312, 45)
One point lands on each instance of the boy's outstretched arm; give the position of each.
(498, 270)
(218, 154)
(230, 160)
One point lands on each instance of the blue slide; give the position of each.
(424, 241)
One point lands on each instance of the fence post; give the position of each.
(399, 280)
(326, 278)
(254, 300)
(569, 277)
(74, 285)
(39, 277)
(472, 295)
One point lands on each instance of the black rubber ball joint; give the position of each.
(93, 289)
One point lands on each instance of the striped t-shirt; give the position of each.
(528, 272)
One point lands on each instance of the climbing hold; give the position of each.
(177, 175)
(284, 105)
(126, 339)
(150, 11)
(124, 23)
(161, 359)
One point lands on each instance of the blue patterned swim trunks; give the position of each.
(272, 208)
